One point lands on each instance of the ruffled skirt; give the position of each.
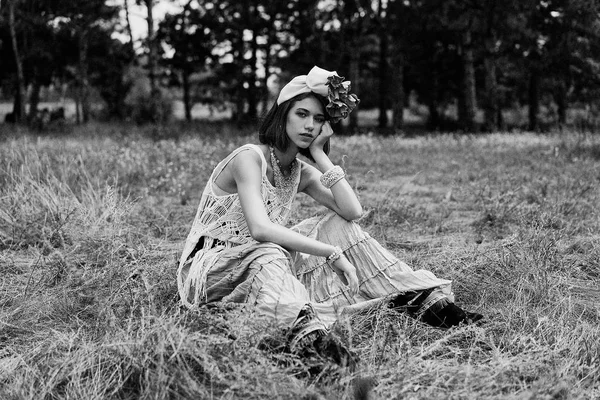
(280, 284)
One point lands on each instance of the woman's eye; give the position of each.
(320, 119)
(301, 114)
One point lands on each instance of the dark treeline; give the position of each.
(463, 61)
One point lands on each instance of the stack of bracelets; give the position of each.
(333, 257)
(332, 176)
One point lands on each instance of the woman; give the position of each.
(240, 250)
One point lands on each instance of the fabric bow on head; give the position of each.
(324, 83)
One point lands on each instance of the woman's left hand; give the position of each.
(347, 274)
(322, 138)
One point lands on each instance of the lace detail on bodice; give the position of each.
(220, 217)
(285, 187)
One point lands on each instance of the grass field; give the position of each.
(91, 225)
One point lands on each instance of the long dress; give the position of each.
(221, 262)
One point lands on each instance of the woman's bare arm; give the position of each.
(248, 177)
(247, 173)
(341, 197)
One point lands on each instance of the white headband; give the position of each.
(313, 82)
(324, 83)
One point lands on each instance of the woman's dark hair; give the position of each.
(271, 130)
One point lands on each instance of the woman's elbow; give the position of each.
(354, 214)
(259, 232)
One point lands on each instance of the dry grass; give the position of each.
(91, 225)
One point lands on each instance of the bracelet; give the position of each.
(333, 257)
(332, 176)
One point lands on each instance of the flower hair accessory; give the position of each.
(324, 83)
(341, 101)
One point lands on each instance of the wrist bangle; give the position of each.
(332, 176)
(333, 257)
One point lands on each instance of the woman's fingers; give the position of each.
(347, 274)
(349, 279)
(352, 280)
(342, 277)
(327, 130)
(322, 137)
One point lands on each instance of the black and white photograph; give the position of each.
(305, 199)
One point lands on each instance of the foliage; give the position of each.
(454, 56)
(143, 106)
(92, 223)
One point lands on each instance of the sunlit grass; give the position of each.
(92, 222)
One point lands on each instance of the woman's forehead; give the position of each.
(311, 104)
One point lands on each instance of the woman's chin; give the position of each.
(303, 144)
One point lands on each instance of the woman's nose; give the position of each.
(310, 123)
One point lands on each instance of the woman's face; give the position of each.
(304, 121)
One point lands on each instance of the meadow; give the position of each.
(92, 222)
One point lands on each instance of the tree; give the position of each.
(433, 64)
(19, 103)
(128, 26)
(79, 22)
(461, 19)
(383, 64)
(191, 36)
(572, 51)
(109, 61)
(151, 45)
(405, 22)
(333, 36)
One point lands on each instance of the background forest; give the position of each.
(448, 64)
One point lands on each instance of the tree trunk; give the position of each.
(187, 102)
(491, 101)
(251, 93)
(560, 97)
(19, 104)
(346, 52)
(83, 76)
(433, 121)
(500, 118)
(383, 75)
(128, 22)
(78, 107)
(34, 99)
(399, 95)
(534, 99)
(187, 68)
(151, 46)
(355, 79)
(240, 98)
(265, 85)
(467, 116)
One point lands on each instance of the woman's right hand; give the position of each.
(347, 273)
(322, 138)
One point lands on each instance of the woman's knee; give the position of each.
(272, 257)
(335, 225)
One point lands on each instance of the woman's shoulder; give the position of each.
(248, 154)
(257, 148)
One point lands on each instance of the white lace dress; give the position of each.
(221, 261)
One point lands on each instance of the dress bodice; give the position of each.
(220, 219)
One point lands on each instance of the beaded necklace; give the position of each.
(284, 185)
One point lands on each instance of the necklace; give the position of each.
(284, 185)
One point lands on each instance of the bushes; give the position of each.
(146, 106)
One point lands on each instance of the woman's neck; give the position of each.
(286, 158)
